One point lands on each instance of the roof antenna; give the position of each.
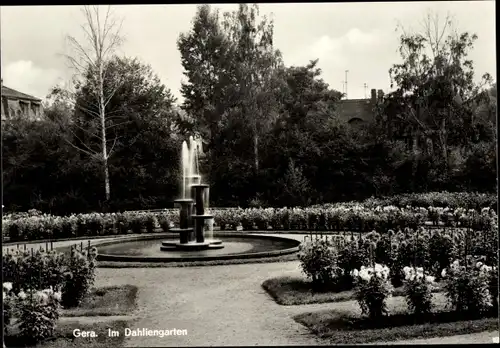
(346, 83)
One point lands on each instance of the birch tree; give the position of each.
(89, 57)
(435, 86)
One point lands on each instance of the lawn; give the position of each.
(346, 326)
(298, 291)
(106, 301)
(64, 338)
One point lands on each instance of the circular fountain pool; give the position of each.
(236, 246)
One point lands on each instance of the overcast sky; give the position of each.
(359, 37)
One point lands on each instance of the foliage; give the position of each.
(467, 286)
(70, 274)
(272, 135)
(418, 290)
(33, 270)
(38, 313)
(80, 275)
(294, 187)
(352, 255)
(339, 217)
(438, 109)
(8, 305)
(318, 260)
(141, 125)
(372, 289)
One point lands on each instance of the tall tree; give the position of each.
(204, 57)
(255, 65)
(89, 58)
(230, 65)
(144, 124)
(435, 87)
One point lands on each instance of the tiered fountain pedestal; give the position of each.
(192, 226)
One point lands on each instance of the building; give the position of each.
(18, 104)
(359, 111)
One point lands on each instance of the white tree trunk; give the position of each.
(102, 115)
(256, 151)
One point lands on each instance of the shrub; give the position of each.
(318, 260)
(164, 222)
(80, 275)
(38, 313)
(493, 287)
(8, 305)
(440, 251)
(33, 270)
(352, 255)
(137, 223)
(467, 287)
(418, 290)
(150, 221)
(372, 290)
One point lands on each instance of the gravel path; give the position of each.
(219, 305)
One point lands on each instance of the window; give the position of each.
(356, 121)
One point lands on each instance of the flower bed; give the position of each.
(378, 262)
(467, 200)
(346, 217)
(43, 285)
(466, 305)
(71, 274)
(416, 260)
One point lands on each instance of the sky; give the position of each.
(358, 37)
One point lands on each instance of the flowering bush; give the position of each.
(372, 289)
(318, 259)
(493, 283)
(352, 255)
(38, 313)
(441, 251)
(164, 222)
(80, 275)
(8, 305)
(418, 290)
(33, 270)
(151, 222)
(467, 287)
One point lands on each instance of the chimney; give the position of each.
(380, 94)
(374, 95)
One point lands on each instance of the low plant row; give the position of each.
(350, 217)
(45, 226)
(37, 284)
(453, 200)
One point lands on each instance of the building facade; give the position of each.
(17, 104)
(359, 111)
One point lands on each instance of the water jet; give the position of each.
(195, 221)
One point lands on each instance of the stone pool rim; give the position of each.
(154, 259)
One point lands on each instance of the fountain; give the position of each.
(195, 241)
(194, 219)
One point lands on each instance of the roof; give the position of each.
(12, 93)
